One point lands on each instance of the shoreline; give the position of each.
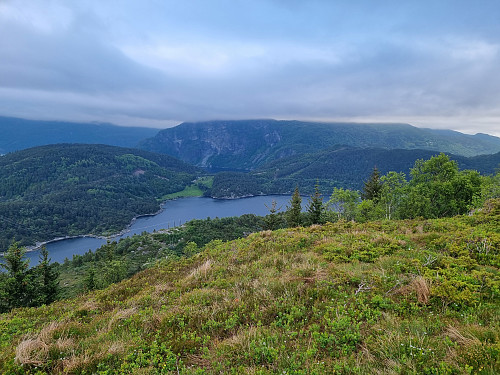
(39, 245)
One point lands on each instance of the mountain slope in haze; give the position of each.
(248, 144)
(346, 167)
(391, 297)
(72, 189)
(18, 134)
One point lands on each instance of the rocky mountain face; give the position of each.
(218, 144)
(248, 144)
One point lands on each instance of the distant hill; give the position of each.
(248, 144)
(18, 134)
(346, 167)
(72, 189)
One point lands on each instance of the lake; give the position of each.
(174, 213)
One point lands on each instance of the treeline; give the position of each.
(341, 167)
(437, 188)
(63, 190)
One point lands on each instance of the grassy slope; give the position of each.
(193, 190)
(382, 297)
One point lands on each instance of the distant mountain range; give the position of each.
(18, 134)
(249, 144)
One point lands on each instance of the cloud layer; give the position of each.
(156, 63)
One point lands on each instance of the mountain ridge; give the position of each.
(248, 144)
(18, 134)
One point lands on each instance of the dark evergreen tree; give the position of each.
(18, 283)
(373, 187)
(48, 283)
(293, 211)
(89, 282)
(315, 206)
(272, 221)
(4, 302)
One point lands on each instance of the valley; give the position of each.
(250, 188)
(382, 236)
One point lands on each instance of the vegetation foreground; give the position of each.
(413, 296)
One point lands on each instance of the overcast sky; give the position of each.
(431, 63)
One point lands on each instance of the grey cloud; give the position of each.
(320, 59)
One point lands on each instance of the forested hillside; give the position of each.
(414, 296)
(71, 189)
(248, 144)
(345, 167)
(18, 134)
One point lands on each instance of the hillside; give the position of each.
(248, 144)
(18, 134)
(346, 167)
(70, 189)
(419, 297)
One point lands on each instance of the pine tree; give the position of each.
(373, 187)
(272, 221)
(315, 206)
(18, 283)
(48, 279)
(293, 211)
(90, 282)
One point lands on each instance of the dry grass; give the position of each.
(266, 233)
(90, 305)
(455, 335)
(32, 351)
(69, 365)
(120, 315)
(200, 271)
(116, 347)
(47, 332)
(64, 343)
(242, 338)
(198, 361)
(420, 286)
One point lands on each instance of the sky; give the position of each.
(156, 63)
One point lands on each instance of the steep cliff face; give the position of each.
(248, 144)
(219, 144)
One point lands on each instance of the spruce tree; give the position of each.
(272, 221)
(293, 211)
(18, 283)
(315, 206)
(373, 187)
(90, 282)
(48, 288)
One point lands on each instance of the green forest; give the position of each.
(338, 167)
(63, 190)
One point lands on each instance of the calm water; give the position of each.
(174, 213)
